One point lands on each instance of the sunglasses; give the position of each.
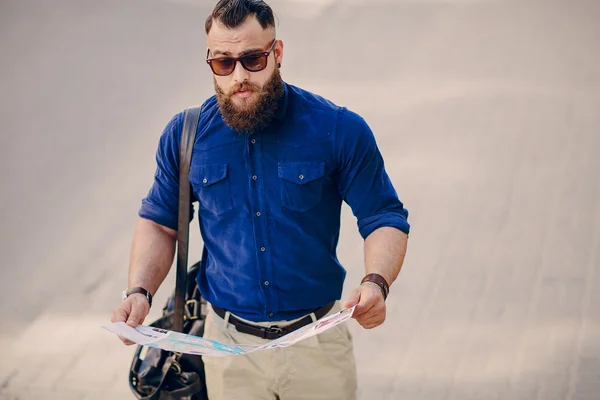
(252, 62)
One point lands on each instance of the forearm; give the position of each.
(152, 254)
(385, 249)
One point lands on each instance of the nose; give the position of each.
(239, 73)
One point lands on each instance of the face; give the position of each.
(244, 95)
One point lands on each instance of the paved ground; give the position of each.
(487, 113)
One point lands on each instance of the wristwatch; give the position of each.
(129, 291)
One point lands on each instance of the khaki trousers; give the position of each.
(320, 367)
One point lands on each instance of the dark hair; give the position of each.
(232, 13)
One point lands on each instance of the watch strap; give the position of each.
(140, 290)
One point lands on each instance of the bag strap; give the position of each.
(188, 135)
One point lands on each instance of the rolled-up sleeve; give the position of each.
(161, 203)
(362, 181)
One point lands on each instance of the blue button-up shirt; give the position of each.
(270, 203)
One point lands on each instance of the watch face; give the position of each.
(123, 294)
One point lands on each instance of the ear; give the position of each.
(278, 51)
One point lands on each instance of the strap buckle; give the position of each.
(192, 313)
(172, 362)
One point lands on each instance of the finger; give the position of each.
(353, 299)
(372, 324)
(363, 308)
(126, 341)
(376, 312)
(372, 320)
(375, 317)
(368, 300)
(138, 313)
(121, 313)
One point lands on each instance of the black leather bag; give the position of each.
(165, 375)
(157, 374)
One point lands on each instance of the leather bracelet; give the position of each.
(380, 281)
(141, 290)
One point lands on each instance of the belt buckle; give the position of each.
(272, 330)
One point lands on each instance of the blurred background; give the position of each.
(487, 113)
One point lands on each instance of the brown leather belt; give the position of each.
(272, 332)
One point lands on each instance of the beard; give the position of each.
(251, 116)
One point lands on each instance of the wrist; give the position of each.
(137, 290)
(376, 287)
(379, 281)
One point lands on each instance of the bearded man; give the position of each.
(270, 167)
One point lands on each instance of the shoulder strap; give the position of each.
(188, 135)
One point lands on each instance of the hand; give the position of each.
(370, 311)
(133, 310)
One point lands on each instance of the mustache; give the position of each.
(244, 86)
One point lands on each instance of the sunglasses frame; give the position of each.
(235, 60)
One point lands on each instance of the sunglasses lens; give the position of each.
(254, 62)
(222, 66)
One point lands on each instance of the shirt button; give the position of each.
(301, 177)
(271, 315)
(253, 141)
(204, 180)
(266, 283)
(258, 214)
(254, 177)
(263, 249)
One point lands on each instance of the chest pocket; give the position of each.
(211, 186)
(301, 184)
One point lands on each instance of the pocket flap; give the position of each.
(301, 172)
(207, 175)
